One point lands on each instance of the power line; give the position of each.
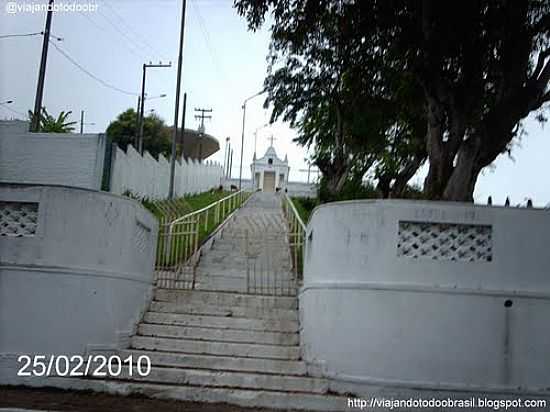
(41, 33)
(206, 36)
(7, 36)
(103, 30)
(13, 110)
(123, 34)
(103, 82)
(135, 32)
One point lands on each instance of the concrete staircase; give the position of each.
(220, 344)
(253, 248)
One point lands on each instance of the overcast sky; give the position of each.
(223, 64)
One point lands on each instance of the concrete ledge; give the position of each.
(434, 295)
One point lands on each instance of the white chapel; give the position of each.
(270, 173)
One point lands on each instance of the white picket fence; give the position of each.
(147, 177)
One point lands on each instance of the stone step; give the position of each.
(258, 275)
(224, 299)
(251, 398)
(220, 335)
(221, 271)
(235, 242)
(239, 236)
(233, 285)
(220, 322)
(245, 350)
(229, 379)
(225, 363)
(222, 259)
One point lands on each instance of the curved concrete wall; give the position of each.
(428, 294)
(78, 275)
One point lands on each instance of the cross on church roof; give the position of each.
(271, 139)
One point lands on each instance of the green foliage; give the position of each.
(380, 86)
(180, 206)
(326, 81)
(51, 124)
(177, 246)
(356, 189)
(304, 206)
(156, 135)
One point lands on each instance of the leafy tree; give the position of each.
(156, 135)
(325, 80)
(472, 71)
(50, 124)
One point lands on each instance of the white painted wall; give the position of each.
(370, 316)
(294, 189)
(50, 158)
(82, 281)
(301, 189)
(147, 177)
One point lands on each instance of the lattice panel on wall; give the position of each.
(444, 241)
(141, 236)
(18, 218)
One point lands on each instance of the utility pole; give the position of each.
(182, 133)
(82, 124)
(230, 163)
(242, 136)
(138, 111)
(228, 156)
(202, 116)
(35, 125)
(226, 153)
(142, 100)
(177, 103)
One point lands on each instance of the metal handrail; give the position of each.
(296, 235)
(295, 212)
(211, 205)
(180, 239)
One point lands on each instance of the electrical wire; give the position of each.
(206, 36)
(102, 29)
(99, 80)
(140, 48)
(7, 36)
(3, 106)
(135, 33)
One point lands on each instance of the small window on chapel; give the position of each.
(269, 161)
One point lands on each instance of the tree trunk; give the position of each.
(461, 184)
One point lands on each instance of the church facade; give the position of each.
(269, 173)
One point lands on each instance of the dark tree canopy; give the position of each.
(156, 135)
(387, 83)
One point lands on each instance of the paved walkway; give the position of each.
(253, 254)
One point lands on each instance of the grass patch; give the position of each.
(177, 242)
(304, 207)
(170, 209)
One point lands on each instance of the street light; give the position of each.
(140, 113)
(160, 96)
(140, 129)
(255, 142)
(242, 137)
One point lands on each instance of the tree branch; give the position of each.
(540, 64)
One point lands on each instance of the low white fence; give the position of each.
(147, 177)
